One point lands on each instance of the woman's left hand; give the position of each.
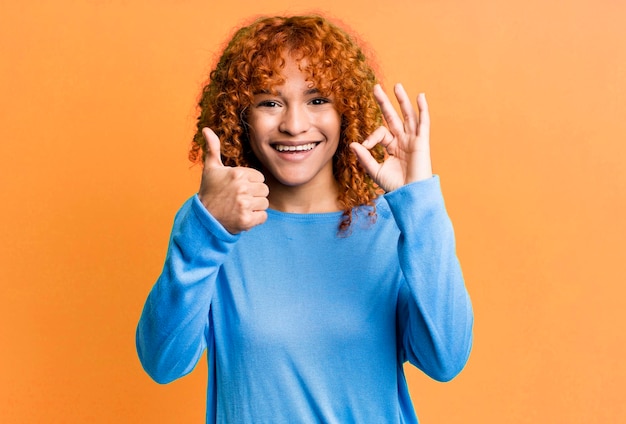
(406, 141)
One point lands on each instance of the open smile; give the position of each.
(294, 148)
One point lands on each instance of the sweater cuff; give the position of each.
(421, 198)
(425, 193)
(211, 224)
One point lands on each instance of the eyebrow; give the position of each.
(278, 93)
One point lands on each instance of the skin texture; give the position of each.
(294, 114)
(253, 62)
(235, 196)
(406, 141)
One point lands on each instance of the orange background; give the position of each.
(528, 101)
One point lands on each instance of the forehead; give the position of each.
(268, 69)
(277, 72)
(294, 69)
(290, 69)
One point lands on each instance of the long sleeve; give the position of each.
(435, 316)
(172, 331)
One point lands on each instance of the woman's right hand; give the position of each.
(235, 196)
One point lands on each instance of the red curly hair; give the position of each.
(252, 62)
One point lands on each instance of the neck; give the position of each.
(304, 199)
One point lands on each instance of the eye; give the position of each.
(320, 101)
(267, 103)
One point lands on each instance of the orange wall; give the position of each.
(528, 100)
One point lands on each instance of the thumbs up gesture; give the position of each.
(235, 196)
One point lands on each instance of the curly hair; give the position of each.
(335, 64)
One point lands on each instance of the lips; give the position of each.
(294, 148)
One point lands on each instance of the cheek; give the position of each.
(255, 146)
(332, 123)
(256, 132)
(259, 126)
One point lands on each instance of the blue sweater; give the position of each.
(303, 325)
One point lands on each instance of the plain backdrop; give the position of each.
(528, 104)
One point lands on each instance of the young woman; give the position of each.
(317, 256)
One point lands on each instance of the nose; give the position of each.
(295, 120)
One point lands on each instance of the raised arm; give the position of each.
(174, 327)
(435, 316)
(174, 324)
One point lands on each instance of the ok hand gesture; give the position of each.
(235, 196)
(406, 141)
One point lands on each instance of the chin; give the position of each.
(291, 181)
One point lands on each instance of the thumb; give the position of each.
(213, 157)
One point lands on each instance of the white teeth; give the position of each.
(300, 148)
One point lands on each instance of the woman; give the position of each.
(317, 256)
